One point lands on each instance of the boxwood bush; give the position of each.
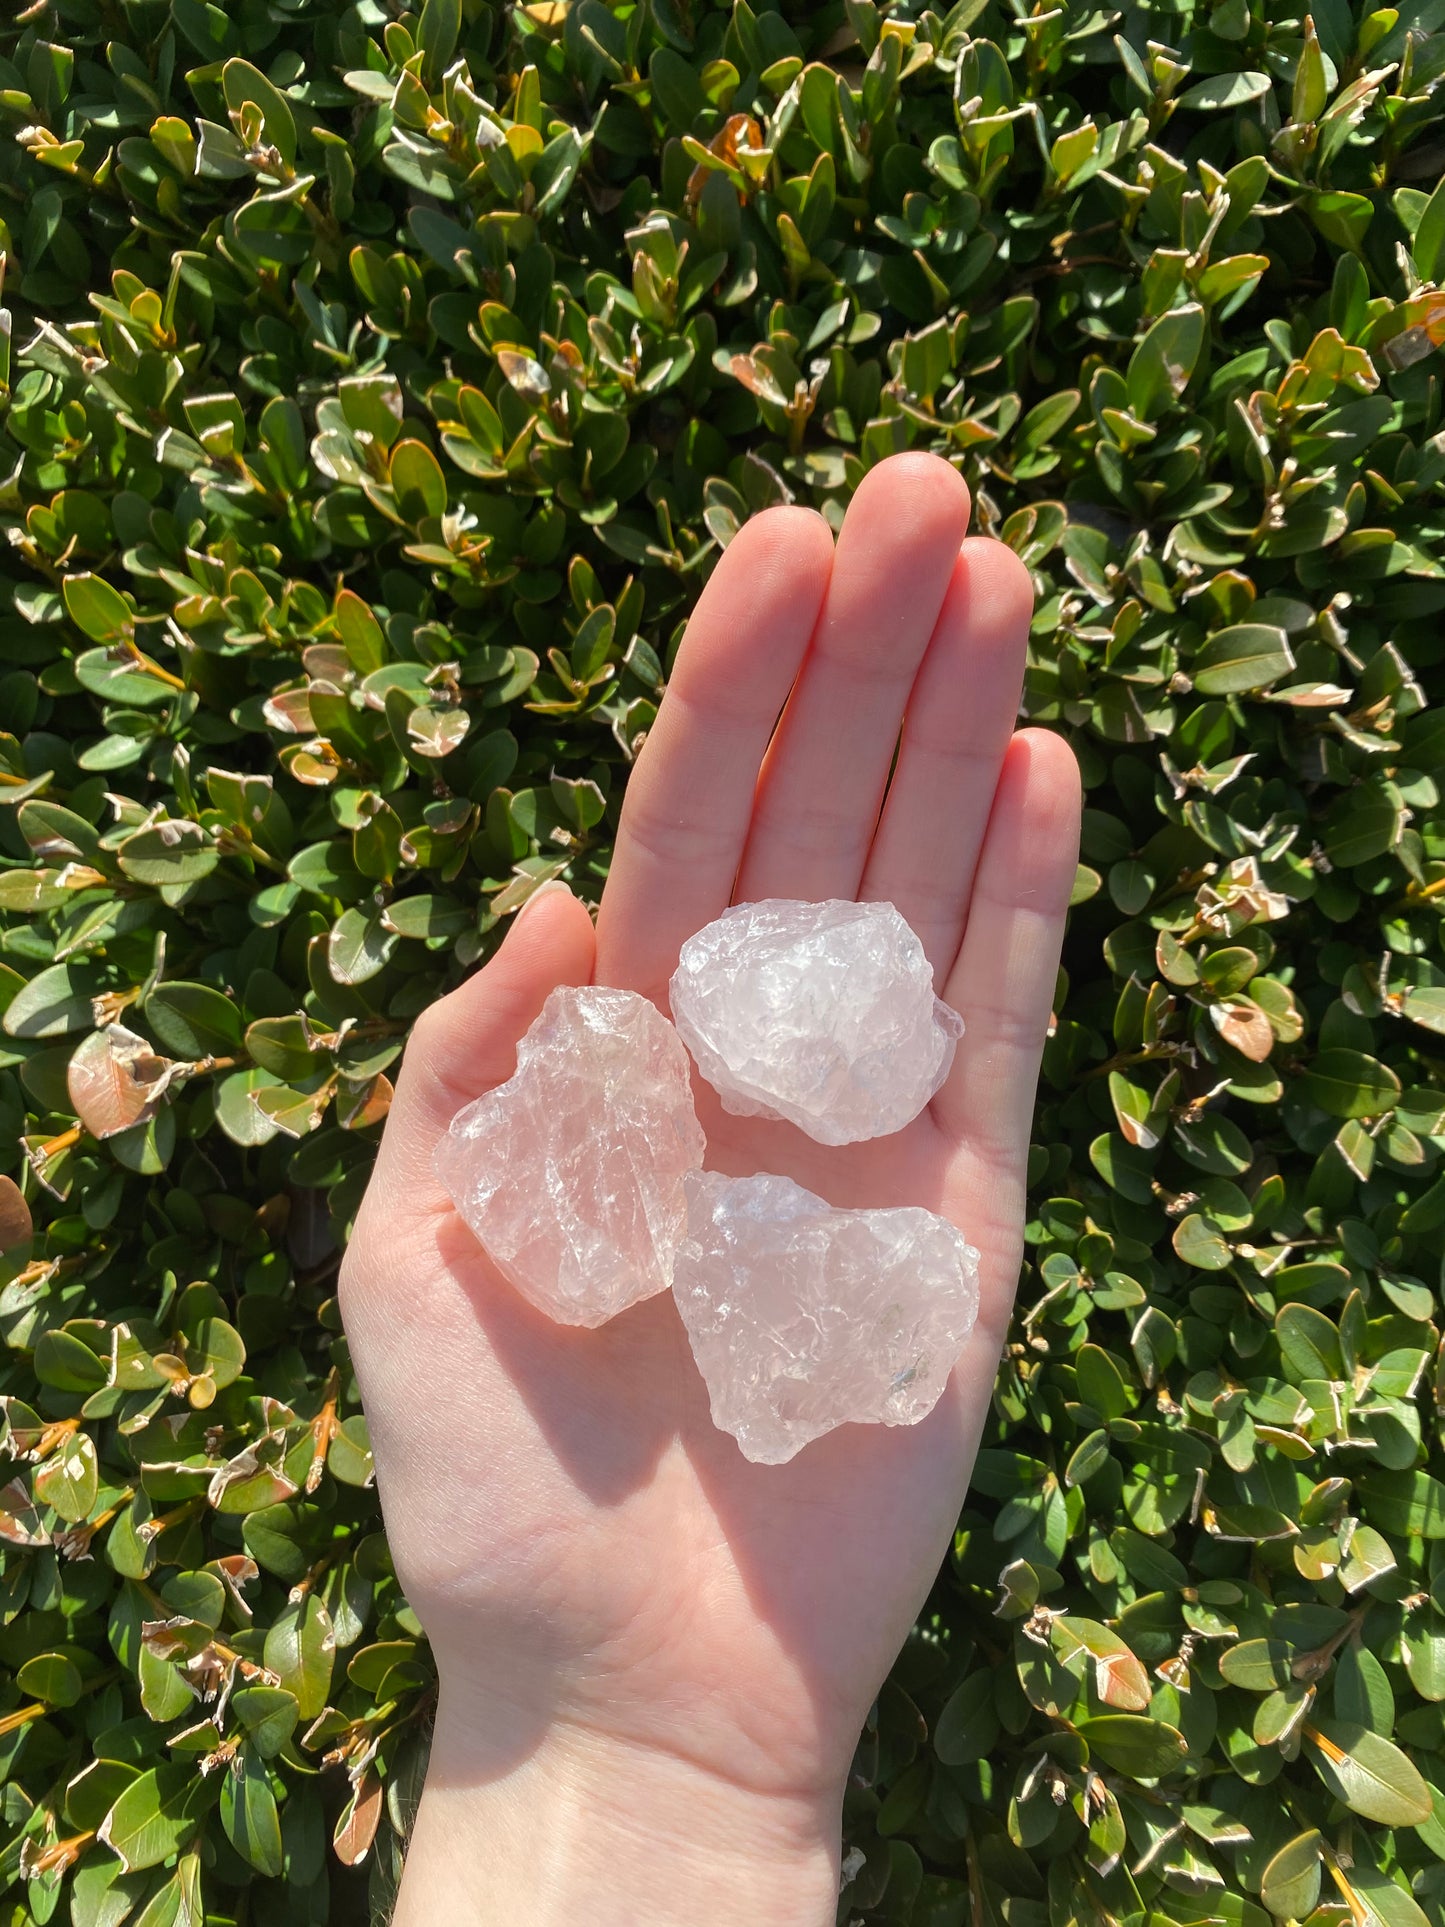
(377, 391)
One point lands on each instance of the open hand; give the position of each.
(655, 1657)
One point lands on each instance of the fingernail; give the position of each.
(547, 889)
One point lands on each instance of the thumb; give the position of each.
(466, 1043)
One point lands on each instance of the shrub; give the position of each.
(381, 389)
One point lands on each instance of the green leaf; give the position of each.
(66, 1363)
(1422, 1647)
(1164, 361)
(1369, 1774)
(360, 631)
(96, 608)
(359, 947)
(69, 1480)
(1290, 1883)
(427, 917)
(1364, 823)
(102, 1894)
(237, 1112)
(1257, 1665)
(441, 24)
(349, 1459)
(55, 1001)
(1309, 1344)
(1362, 1692)
(52, 1677)
(1311, 83)
(283, 1046)
(1342, 218)
(269, 1715)
(1428, 246)
(57, 834)
(420, 486)
(1246, 656)
(157, 1814)
(299, 1649)
(243, 84)
(1408, 1503)
(1348, 1083)
(1381, 1902)
(968, 1726)
(91, 1795)
(1426, 1006)
(1213, 1144)
(117, 676)
(1200, 1243)
(164, 1691)
(249, 1815)
(193, 1020)
(1102, 1384)
(1134, 1108)
(1089, 1457)
(169, 854)
(214, 1346)
(1144, 1749)
(1221, 91)
(177, 1902)
(146, 1148)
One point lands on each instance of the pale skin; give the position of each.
(654, 1657)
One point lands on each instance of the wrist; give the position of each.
(589, 1827)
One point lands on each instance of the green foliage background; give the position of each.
(381, 389)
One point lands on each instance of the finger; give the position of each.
(822, 785)
(690, 797)
(467, 1042)
(956, 730)
(1003, 982)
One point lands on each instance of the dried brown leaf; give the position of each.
(16, 1224)
(357, 1826)
(1245, 1026)
(116, 1079)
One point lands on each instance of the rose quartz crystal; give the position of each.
(571, 1173)
(803, 1317)
(820, 1013)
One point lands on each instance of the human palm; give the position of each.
(588, 1554)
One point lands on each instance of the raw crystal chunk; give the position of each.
(821, 1013)
(571, 1173)
(803, 1317)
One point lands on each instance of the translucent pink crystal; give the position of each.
(820, 1013)
(571, 1173)
(803, 1317)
